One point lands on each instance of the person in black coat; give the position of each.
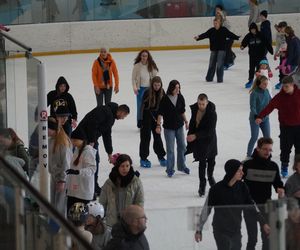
(257, 45)
(98, 122)
(61, 97)
(149, 109)
(265, 28)
(217, 39)
(260, 174)
(202, 139)
(229, 198)
(128, 234)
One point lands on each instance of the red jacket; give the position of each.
(288, 108)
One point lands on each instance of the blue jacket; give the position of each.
(259, 99)
(293, 49)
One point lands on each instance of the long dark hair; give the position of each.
(151, 63)
(151, 98)
(172, 86)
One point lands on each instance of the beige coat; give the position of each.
(134, 195)
(136, 76)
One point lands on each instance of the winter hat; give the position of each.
(231, 167)
(264, 13)
(114, 158)
(264, 61)
(61, 80)
(62, 111)
(52, 125)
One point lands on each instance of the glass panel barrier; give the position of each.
(47, 11)
(3, 97)
(29, 221)
(175, 228)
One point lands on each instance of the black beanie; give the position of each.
(264, 13)
(61, 80)
(52, 125)
(231, 167)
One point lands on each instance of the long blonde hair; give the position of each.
(257, 83)
(60, 138)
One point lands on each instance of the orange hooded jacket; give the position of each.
(97, 73)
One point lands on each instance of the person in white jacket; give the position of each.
(143, 71)
(80, 180)
(60, 155)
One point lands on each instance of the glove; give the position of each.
(72, 171)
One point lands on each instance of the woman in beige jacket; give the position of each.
(143, 71)
(122, 188)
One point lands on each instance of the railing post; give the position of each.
(43, 133)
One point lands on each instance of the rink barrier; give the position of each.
(130, 49)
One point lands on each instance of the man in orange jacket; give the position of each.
(104, 68)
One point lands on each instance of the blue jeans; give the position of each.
(139, 99)
(265, 128)
(216, 60)
(170, 136)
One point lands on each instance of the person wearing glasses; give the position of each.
(129, 232)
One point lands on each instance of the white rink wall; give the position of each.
(71, 36)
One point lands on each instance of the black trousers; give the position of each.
(253, 65)
(229, 56)
(289, 137)
(250, 217)
(209, 164)
(228, 242)
(145, 137)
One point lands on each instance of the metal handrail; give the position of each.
(22, 45)
(42, 202)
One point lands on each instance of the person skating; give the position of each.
(217, 39)
(149, 109)
(265, 28)
(229, 198)
(103, 70)
(202, 139)
(287, 101)
(260, 174)
(61, 97)
(257, 46)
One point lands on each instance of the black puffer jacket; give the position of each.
(123, 239)
(205, 145)
(99, 122)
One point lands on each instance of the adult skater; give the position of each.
(61, 97)
(229, 198)
(217, 38)
(202, 139)
(103, 70)
(287, 101)
(265, 28)
(172, 110)
(293, 48)
(257, 45)
(143, 71)
(150, 105)
(260, 174)
(254, 12)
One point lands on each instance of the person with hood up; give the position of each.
(103, 70)
(122, 189)
(287, 101)
(229, 198)
(128, 234)
(260, 174)
(202, 139)
(257, 45)
(61, 97)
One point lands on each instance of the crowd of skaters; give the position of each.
(116, 210)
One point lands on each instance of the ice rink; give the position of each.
(166, 199)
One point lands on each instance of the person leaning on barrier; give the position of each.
(228, 197)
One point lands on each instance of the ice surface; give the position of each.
(189, 68)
